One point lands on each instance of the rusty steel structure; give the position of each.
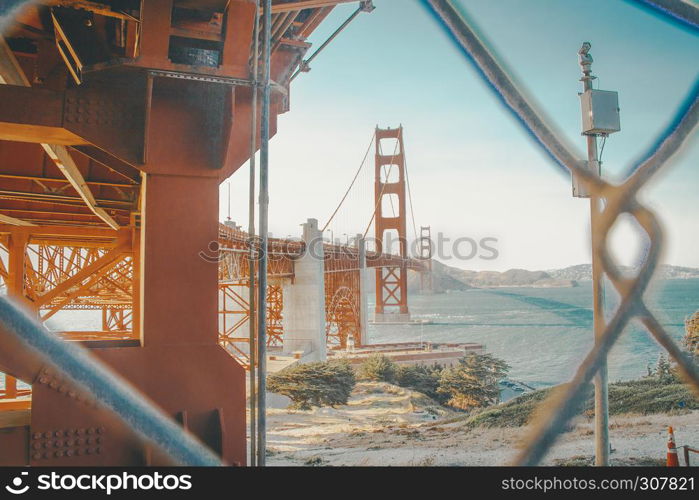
(234, 281)
(342, 295)
(342, 266)
(119, 119)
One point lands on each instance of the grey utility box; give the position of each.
(600, 112)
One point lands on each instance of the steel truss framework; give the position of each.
(74, 272)
(234, 319)
(342, 293)
(342, 296)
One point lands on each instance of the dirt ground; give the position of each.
(387, 425)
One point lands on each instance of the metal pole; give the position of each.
(252, 347)
(264, 205)
(364, 6)
(601, 382)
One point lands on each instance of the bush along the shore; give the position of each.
(472, 383)
(645, 396)
(327, 383)
(691, 337)
(421, 378)
(378, 368)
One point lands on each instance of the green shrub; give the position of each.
(645, 396)
(314, 384)
(691, 337)
(420, 378)
(378, 368)
(474, 382)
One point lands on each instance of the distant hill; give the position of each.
(583, 272)
(447, 278)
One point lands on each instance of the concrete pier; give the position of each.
(304, 300)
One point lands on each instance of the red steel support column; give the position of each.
(180, 365)
(391, 282)
(180, 287)
(17, 249)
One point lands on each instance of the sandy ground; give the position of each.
(388, 425)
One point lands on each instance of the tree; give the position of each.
(474, 382)
(378, 368)
(421, 378)
(314, 384)
(691, 336)
(664, 369)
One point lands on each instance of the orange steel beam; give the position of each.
(78, 233)
(13, 74)
(10, 387)
(342, 308)
(34, 115)
(14, 221)
(86, 273)
(278, 8)
(64, 180)
(72, 293)
(234, 315)
(12, 404)
(97, 8)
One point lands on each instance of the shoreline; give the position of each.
(385, 425)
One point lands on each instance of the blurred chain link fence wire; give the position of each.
(618, 199)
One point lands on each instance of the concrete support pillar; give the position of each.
(304, 299)
(363, 292)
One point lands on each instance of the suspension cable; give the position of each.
(366, 155)
(410, 195)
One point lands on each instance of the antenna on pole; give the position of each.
(600, 117)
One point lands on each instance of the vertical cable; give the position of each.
(251, 241)
(263, 217)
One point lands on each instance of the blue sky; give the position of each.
(474, 172)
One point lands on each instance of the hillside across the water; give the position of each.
(447, 278)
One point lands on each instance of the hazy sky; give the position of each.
(474, 171)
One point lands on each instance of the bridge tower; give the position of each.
(390, 225)
(425, 248)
